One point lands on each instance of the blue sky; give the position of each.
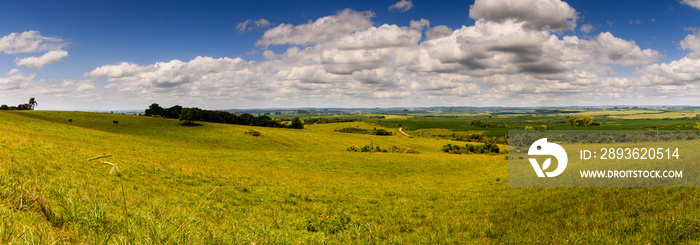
(110, 55)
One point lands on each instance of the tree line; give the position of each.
(481, 124)
(28, 106)
(320, 120)
(488, 147)
(188, 115)
(375, 131)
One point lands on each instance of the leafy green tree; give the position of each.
(173, 112)
(23, 107)
(491, 147)
(572, 120)
(297, 123)
(155, 110)
(4, 107)
(32, 103)
(189, 115)
(584, 121)
(246, 119)
(381, 132)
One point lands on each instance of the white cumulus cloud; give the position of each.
(401, 6)
(587, 28)
(15, 79)
(438, 31)
(29, 42)
(538, 14)
(378, 37)
(116, 71)
(344, 60)
(678, 72)
(419, 24)
(614, 50)
(692, 3)
(324, 28)
(252, 24)
(691, 42)
(51, 57)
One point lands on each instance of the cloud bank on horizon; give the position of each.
(517, 53)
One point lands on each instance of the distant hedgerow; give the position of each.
(487, 147)
(393, 149)
(375, 131)
(328, 120)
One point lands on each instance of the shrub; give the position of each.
(382, 132)
(297, 123)
(353, 130)
(393, 149)
(376, 131)
(328, 120)
(488, 147)
(253, 132)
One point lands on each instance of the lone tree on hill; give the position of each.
(32, 103)
(189, 115)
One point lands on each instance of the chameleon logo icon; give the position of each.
(543, 148)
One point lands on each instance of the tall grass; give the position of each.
(216, 185)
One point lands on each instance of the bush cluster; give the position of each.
(328, 120)
(253, 132)
(374, 131)
(487, 147)
(481, 124)
(480, 138)
(584, 121)
(393, 149)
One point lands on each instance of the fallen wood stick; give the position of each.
(98, 157)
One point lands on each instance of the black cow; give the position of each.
(70, 120)
(115, 122)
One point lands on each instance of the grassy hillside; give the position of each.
(216, 184)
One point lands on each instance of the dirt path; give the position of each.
(400, 130)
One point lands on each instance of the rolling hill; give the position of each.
(216, 184)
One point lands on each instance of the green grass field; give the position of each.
(215, 184)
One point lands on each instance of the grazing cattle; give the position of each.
(70, 120)
(115, 122)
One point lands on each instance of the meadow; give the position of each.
(216, 184)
